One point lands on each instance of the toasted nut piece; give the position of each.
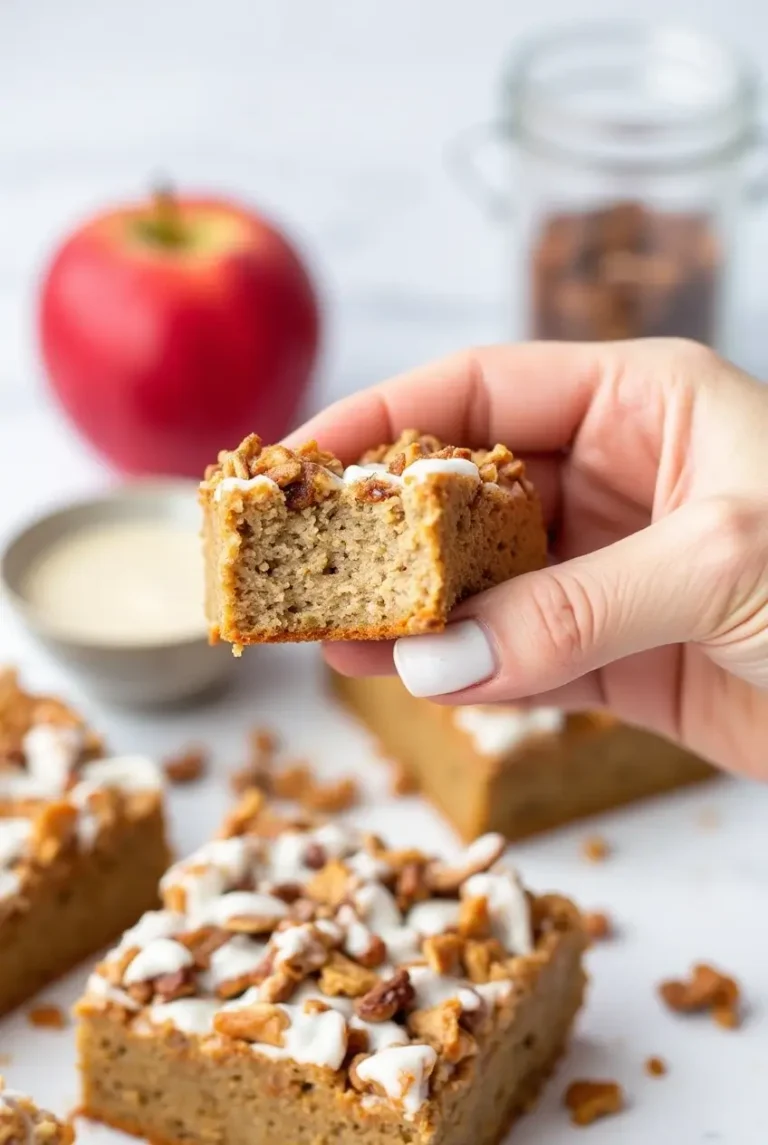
(480, 957)
(655, 1067)
(47, 1017)
(588, 1100)
(374, 955)
(245, 816)
(706, 989)
(474, 917)
(330, 885)
(186, 767)
(387, 998)
(342, 976)
(261, 1022)
(53, 830)
(169, 987)
(442, 952)
(292, 781)
(439, 1026)
(331, 798)
(597, 924)
(596, 849)
(203, 943)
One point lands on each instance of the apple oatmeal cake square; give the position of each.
(299, 548)
(82, 840)
(307, 983)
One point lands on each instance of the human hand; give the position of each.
(651, 460)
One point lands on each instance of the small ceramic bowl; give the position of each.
(146, 673)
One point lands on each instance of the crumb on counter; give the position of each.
(707, 990)
(47, 1017)
(596, 849)
(186, 767)
(656, 1067)
(589, 1100)
(598, 925)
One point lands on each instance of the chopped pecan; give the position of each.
(279, 986)
(315, 856)
(374, 954)
(474, 917)
(440, 1027)
(47, 1017)
(392, 996)
(588, 1100)
(411, 885)
(330, 885)
(252, 923)
(292, 781)
(655, 1066)
(333, 797)
(261, 1022)
(169, 987)
(245, 816)
(186, 767)
(597, 924)
(303, 910)
(442, 952)
(447, 878)
(595, 848)
(342, 976)
(707, 989)
(315, 1006)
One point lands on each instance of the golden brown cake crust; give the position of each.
(297, 552)
(373, 989)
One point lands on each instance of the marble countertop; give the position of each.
(335, 118)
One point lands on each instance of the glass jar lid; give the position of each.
(631, 96)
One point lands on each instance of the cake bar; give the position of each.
(24, 1123)
(306, 983)
(82, 841)
(516, 771)
(299, 548)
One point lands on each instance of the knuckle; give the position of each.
(726, 529)
(565, 617)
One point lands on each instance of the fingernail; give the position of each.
(446, 662)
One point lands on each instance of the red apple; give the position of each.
(172, 328)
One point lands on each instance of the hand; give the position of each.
(651, 460)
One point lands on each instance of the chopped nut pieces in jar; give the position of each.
(596, 849)
(590, 1100)
(47, 1017)
(82, 842)
(299, 548)
(706, 991)
(598, 925)
(187, 767)
(656, 1067)
(22, 1121)
(296, 946)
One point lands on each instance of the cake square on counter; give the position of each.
(513, 770)
(300, 548)
(306, 983)
(82, 841)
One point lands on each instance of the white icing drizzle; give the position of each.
(218, 911)
(244, 485)
(507, 905)
(497, 731)
(152, 925)
(425, 467)
(403, 1073)
(97, 987)
(129, 773)
(356, 474)
(14, 836)
(434, 916)
(10, 884)
(51, 751)
(189, 1015)
(161, 956)
(381, 1034)
(238, 957)
(493, 992)
(433, 989)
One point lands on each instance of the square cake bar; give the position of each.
(82, 841)
(305, 983)
(515, 771)
(299, 548)
(22, 1122)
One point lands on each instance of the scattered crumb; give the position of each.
(292, 781)
(264, 742)
(597, 925)
(595, 848)
(338, 795)
(257, 772)
(403, 782)
(655, 1067)
(47, 1017)
(589, 1100)
(707, 990)
(190, 765)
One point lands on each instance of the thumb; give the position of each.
(673, 582)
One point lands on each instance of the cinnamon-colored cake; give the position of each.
(82, 841)
(515, 771)
(299, 548)
(22, 1122)
(306, 984)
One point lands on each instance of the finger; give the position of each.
(362, 658)
(668, 584)
(531, 397)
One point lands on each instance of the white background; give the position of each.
(334, 116)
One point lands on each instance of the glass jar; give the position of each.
(629, 177)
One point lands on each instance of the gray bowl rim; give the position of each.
(139, 489)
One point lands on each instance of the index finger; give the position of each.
(531, 397)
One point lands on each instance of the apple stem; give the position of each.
(164, 227)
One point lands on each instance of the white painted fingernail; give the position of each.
(446, 662)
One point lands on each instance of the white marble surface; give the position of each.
(335, 116)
